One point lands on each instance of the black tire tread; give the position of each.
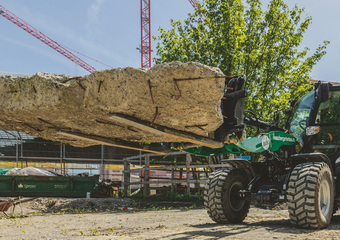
(213, 196)
(301, 194)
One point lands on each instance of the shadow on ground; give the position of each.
(245, 230)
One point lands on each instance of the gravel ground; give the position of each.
(183, 223)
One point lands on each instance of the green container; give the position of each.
(45, 186)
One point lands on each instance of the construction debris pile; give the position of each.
(30, 171)
(108, 188)
(79, 205)
(88, 110)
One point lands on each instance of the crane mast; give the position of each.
(145, 48)
(43, 38)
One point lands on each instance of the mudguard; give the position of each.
(271, 141)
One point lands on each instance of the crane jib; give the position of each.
(43, 38)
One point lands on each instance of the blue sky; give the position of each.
(109, 31)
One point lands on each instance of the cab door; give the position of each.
(327, 140)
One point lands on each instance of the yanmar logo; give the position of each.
(27, 186)
(284, 139)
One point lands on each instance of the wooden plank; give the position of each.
(188, 160)
(172, 179)
(169, 133)
(147, 176)
(126, 177)
(197, 177)
(108, 142)
(165, 182)
(181, 167)
(153, 155)
(173, 185)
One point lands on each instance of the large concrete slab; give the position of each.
(61, 107)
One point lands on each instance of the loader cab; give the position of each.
(327, 123)
(315, 120)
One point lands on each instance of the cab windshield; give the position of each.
(300, 115)
(327, 118)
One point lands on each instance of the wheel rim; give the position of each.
(236, 203)
(324, 198)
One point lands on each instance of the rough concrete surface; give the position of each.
(176, 224)
(44, 104)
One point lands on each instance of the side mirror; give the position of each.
(323, 92)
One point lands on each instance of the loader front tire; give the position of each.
(221, 196)
(310, 195)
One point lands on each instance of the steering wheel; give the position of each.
(304, 122)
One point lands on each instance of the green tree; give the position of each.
(240, 37)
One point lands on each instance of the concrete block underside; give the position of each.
(82, 111)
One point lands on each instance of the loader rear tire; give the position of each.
(221, 196)
(310, 195)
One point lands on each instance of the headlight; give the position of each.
(312, 130)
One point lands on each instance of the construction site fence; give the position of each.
(188, 178)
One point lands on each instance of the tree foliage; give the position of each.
(242, 37)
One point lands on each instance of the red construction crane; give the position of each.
(194, 3)
(42, 37)
(145, 48)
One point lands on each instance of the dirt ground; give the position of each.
(50, 219)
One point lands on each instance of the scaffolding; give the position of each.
(22, 150)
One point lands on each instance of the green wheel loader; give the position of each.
(300, 165)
